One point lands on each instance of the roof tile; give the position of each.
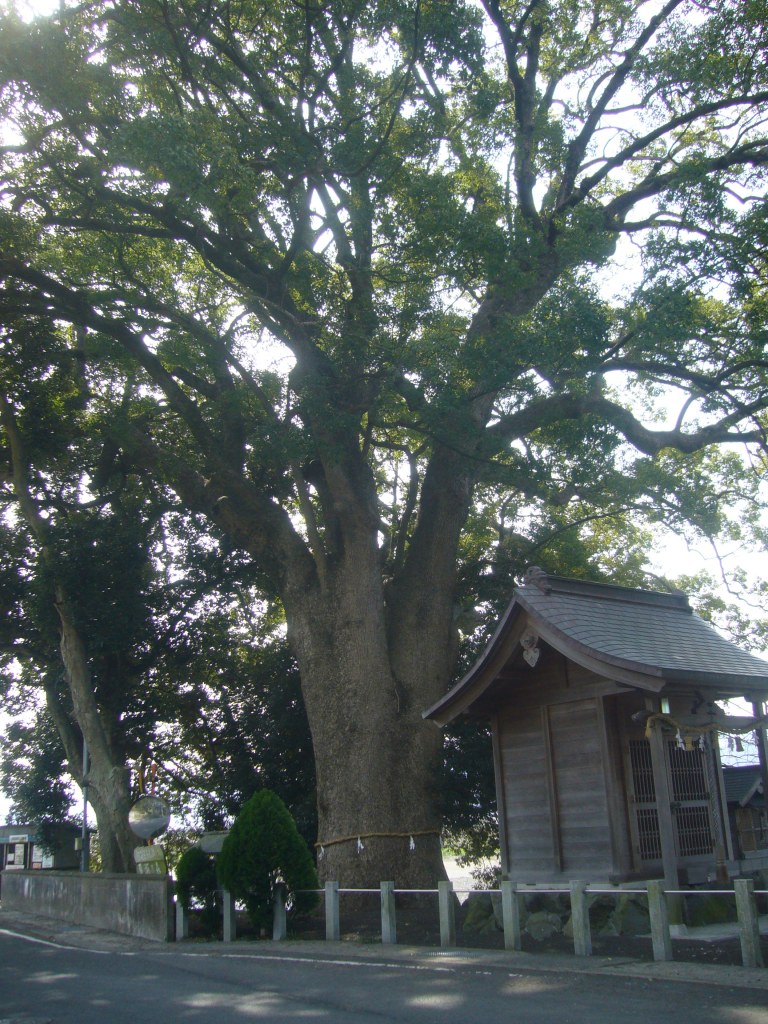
(640, 628)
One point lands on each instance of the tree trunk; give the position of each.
(375, 758)
(372, 658)
(109, 782)
(375, 761)
(109, 824)
(110, 799)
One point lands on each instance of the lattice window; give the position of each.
(687, 772)
(642, 771)
(649, 840)
(693, 831)
(688, 783)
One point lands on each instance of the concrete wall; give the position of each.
(138, 905)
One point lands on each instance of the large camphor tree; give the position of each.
(425, 209)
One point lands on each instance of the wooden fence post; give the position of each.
(511, 908)
(661, 938)
(749, 929)
(582, 937)
(182, 921)
(445, 902)
(279, 921)
(332, 929)
(388, 916)
(229, 925)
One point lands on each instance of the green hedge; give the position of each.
(264, 849)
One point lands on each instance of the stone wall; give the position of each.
(138, 905)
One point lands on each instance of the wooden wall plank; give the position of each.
(527, 828)
(578, 768)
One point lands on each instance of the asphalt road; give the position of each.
(50, 982)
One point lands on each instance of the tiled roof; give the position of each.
(6, 831)
(639, 638)
(742, 782)
(646, 630)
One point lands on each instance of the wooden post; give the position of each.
(446, 906)
(229, 928)
(388, 915)
(501, 795)
(723, 801)
(660, 934)
(749, 929)
(510, 912)
(332, 930)
(582, 937)
(761, 735)
(713, 774)
(553, 803)
(663, 800)
(182, 921)
(279, 920)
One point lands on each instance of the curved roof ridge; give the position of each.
(642, 638)
(608, 591)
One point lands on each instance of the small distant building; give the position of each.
(603, 707)
(747, 811)
(22, 847)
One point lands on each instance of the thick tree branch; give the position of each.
(578, 147)
(255, 522)
(749, 154)
(524, 93)
(556, 408)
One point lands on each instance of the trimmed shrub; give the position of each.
(196, 881)
(264, 849)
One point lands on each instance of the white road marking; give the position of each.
(54, 945)
(381, 964)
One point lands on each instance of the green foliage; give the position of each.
(240, 714)
(197, 883)
(432, 219)
(468, 793)
(195, 875)
(262, 850)
(175, 843)
(32, 764)
(426, 218)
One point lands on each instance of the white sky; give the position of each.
(33, 8)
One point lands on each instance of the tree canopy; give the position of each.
(348, 277)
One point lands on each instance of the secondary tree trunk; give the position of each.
(110, 799)
(110, 795)
(109, 782)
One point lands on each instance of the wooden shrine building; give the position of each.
(602, 702)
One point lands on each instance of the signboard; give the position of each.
(150, 860)
(40, 859)
(149, 817)
(14, 860)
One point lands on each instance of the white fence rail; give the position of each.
(512, 909)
